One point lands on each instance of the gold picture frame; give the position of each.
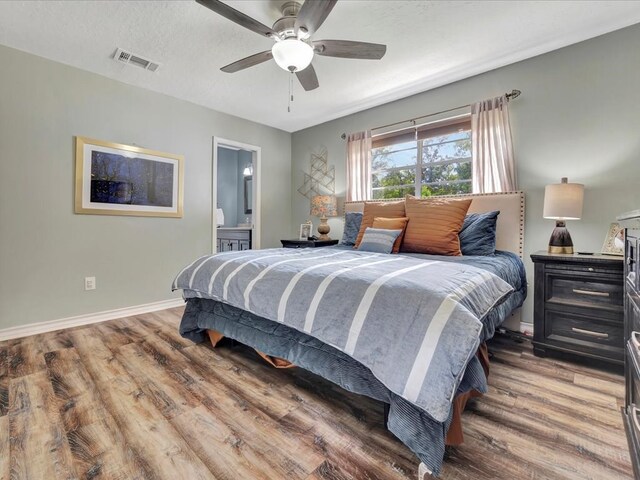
(117, 179)
(614, 241)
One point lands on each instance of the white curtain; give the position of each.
(359, 166)
(492, 149)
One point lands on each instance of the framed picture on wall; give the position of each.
(614, 241)
(116, 179)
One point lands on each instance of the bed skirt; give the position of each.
(410, 424)
(454, 434)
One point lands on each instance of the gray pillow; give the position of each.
(478, 234)
(378, 240)
(352, 221)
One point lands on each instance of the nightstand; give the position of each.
(578, 306)
(307, 243)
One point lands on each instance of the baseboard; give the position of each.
(526, 328)
(53, 325)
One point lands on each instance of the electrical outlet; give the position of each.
(89, 283)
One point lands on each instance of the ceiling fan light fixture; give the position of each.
(292, 55)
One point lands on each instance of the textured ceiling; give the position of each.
(430, 43)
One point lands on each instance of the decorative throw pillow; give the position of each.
(478, 234)
(352, 221)
(379, 209)
(399, 223)
(434, 224)
(378, 240)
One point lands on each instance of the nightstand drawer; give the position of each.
(594, 291)
(584, 333)
(591, 269)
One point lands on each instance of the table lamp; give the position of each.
(562, 201)
(220, 217)
(324, 206)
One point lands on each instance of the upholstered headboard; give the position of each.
(510, 226)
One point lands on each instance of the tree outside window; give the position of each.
(428, 166)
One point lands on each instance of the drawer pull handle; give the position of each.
(634, 340)
(590, 292)
(591, 333)
(634, 416)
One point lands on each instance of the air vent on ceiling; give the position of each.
(133, 59)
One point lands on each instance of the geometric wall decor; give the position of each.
(322, 179)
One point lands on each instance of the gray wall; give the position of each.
(46, 250)
(578, 117)
(228, 185)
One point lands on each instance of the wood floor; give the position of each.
(131, 399)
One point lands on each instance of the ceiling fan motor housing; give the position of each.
(285, 25)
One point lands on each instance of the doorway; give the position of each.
(235, 196)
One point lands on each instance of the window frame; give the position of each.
(420, 134)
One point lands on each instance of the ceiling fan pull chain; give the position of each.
(290, 92)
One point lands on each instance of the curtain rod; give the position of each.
(510, 96)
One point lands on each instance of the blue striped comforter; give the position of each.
(414, 323)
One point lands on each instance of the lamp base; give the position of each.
(560, 241)
(324, 229)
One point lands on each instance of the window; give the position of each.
(433, 159)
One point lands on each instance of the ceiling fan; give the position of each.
(293, 50)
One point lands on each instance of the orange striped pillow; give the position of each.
(378, 209)
(434, 224)
(399, 223)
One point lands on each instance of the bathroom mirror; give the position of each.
(248, 193)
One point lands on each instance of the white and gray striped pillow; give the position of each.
(378, 240)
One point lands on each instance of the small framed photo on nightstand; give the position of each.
(614, 242)
(305, 231)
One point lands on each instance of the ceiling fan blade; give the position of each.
(238, 17)
(313, 13)
(308, 78)
(248, 62)
(349, 49)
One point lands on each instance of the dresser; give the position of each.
(231, 239)
(630, 412)
(579, 306)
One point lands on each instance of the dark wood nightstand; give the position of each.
(578, 306)
(308, 243)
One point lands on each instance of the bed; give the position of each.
(407, 329)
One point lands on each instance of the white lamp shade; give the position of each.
(219, 217)
(292, 55)
(563, 201)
